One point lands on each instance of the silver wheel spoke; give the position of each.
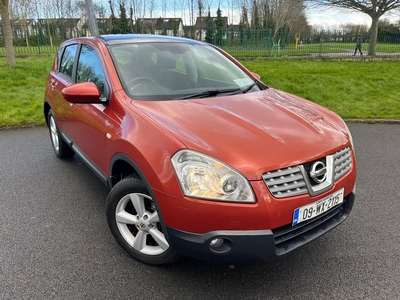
(140, 241)
(159, 238)
(138, 203)
(126, 218)
(54, 135)
(153, 218)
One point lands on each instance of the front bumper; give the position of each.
(264, 245)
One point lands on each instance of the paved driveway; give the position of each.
(55, 243)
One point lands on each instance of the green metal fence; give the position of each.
(45, 37)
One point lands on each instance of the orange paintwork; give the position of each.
(253, 133)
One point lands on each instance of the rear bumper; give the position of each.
(261, 245)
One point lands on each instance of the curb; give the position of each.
(373, 121)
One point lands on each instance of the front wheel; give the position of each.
(135, 224)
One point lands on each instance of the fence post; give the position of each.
(37, 36)
(320, 43)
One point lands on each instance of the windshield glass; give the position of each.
(162, 71)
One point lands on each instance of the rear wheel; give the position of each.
(134, 222)
(60, 147)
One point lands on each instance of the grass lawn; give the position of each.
(22, 91)
(261, 50)
(354, 89)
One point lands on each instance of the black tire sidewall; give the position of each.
(64, 150)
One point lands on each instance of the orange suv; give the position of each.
(202, 159)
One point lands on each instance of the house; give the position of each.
(21, 28)
(200, 27)
(103, 24)
(161, 26)
(63, 27)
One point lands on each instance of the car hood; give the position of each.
(254, 132)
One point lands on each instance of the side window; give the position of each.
(67, 60)
(90, 69)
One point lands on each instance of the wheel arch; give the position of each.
(123, 166)
(46, 109)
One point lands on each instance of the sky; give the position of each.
(332, 18)
(328, 18)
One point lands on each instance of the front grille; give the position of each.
(293, 181)
(288, 238)
(286, 182)
(342, 162)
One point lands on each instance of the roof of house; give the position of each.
(66, 21)
(201, 22)
(160, 23)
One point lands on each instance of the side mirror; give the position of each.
(84, 92)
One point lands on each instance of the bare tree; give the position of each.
(137, 7)
(286, 12)
(164, 8)
(5, 17)
(200, 6)
(373, 8)
(151, 4)
(174, 6)
(23, 10)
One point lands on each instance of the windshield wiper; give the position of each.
(249, 88)
(209, 93)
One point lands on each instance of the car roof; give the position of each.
(112, 39)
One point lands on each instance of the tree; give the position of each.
(164, 8)
(8, 42)
(136, 9)
(22, 11)
(286, 13)
(255, 18)
(373, 8)
(244, 19)
(209, 28)
(219, 24)
(123, 20)
(200, 6)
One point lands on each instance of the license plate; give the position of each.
(313, 210)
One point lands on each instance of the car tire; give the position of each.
(135, 224)
(60, 147)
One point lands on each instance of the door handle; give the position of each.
(53, 85)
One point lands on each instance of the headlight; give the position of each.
(204, 177)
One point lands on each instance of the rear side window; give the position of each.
(67, 60)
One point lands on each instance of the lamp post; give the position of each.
(92, 18)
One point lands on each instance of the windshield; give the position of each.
(161, 71)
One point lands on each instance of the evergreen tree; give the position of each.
(114, 21)
(219, 23)
(123, 20)
(175, 30)
(255, 20)
(209, 28)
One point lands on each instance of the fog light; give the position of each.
(221, 245)
(215, 243)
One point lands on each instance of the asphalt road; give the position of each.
(55, 243)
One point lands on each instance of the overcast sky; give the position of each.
(324, 18)
(331, 18)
